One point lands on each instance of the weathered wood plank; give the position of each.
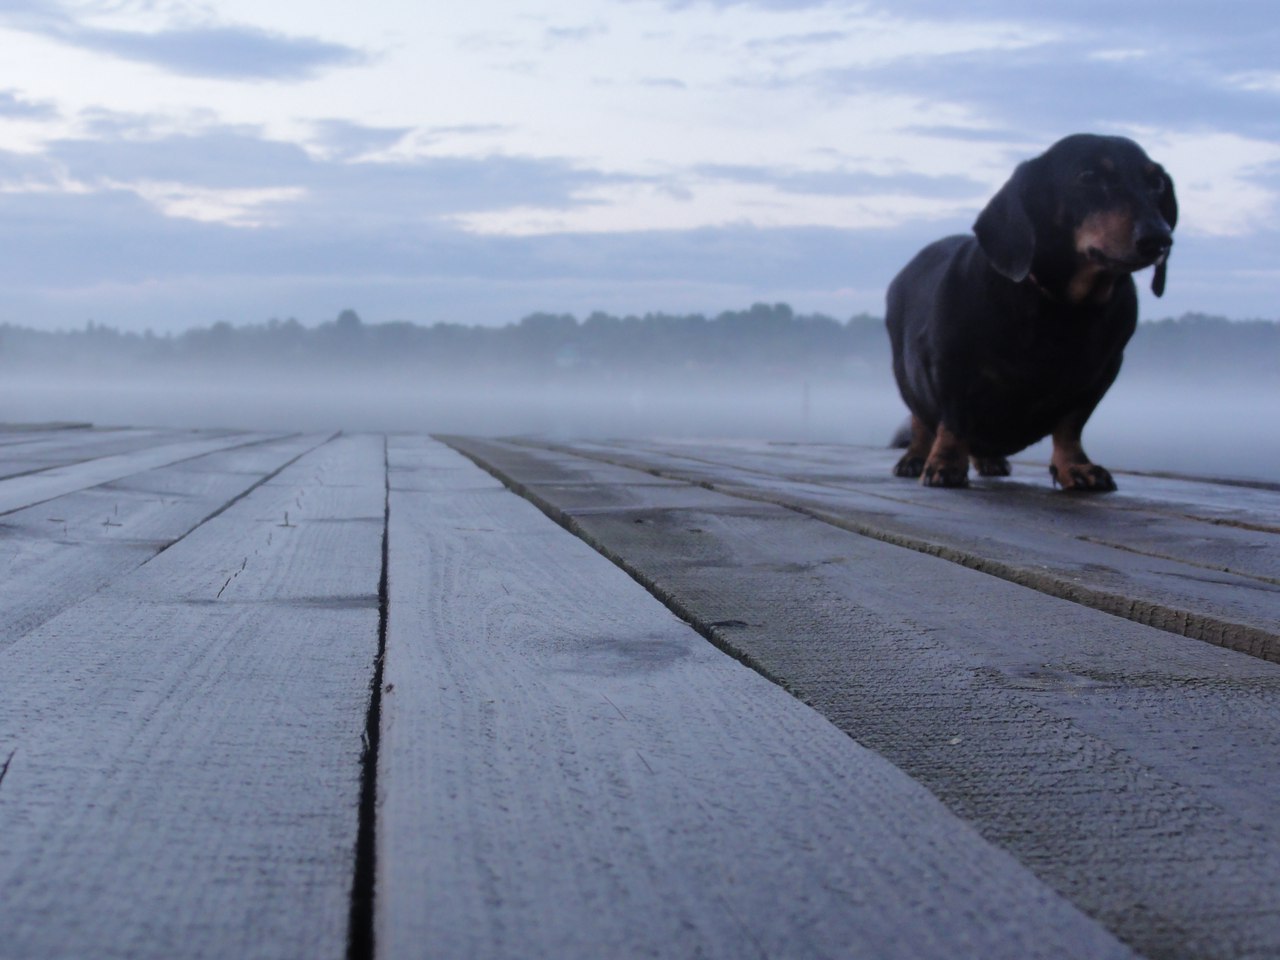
(1188, 515)
(59, 552)
(10, 430)
(1213, 579)
(566, 770)
(832, 462)
(184, 753)
(26, 490)
(30, 451)
(1132, 769)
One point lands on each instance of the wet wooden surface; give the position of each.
(308, 695)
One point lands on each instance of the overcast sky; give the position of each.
(166, 164)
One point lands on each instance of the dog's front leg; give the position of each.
(948, 463)
(1070, 466)
(912, 462)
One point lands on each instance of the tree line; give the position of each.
(763, 337)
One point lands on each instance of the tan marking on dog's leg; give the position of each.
(948, 462)
(912, 462)
(1071, 467)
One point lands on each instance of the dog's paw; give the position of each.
(910, 465)
(945, 473)
(991, 466)
(1083, 478)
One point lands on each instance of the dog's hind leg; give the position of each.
(948, 462)
(991, 466)
(902, 436)
(912, 462)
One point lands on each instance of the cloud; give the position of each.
(555, 36)
(238, 177)
(712, 195)
(237, 208)
(1004, 135)
(113, 257)
(26, 172)
(167, 230)
(1255, 81)
(345, 140)
(799, 41)
(668, 83)
(1060, 88)
(222, 158)
(229, 53)
(226, 52)
(844, 183)
(16, 107)
(1163, 42)
(655, 206)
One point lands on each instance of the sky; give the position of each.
(168, 164)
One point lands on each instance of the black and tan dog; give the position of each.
(1008, 336)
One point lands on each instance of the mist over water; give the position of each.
(1207, 427)
(785, 408)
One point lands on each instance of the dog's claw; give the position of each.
(945, 475)
(1083, 478)
(909, 466)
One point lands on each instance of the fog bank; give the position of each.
(1210, 427)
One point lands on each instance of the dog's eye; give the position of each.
(1157, 183)
(1088, 178)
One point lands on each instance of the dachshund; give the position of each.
(1015, 333)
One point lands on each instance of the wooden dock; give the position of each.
(309, 696)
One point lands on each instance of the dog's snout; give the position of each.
(1154, 242)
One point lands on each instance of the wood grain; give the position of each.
(184, 761)
(57, 553)
(27, 489)
(27, 451)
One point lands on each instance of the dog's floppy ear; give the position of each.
(1168, 206)
(1004, 229)
(1157, 278)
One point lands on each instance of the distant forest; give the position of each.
(760, 339)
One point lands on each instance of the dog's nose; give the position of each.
(1154, 243)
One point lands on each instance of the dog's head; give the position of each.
(1087, 206)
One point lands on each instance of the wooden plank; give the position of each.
(20, 434)
(1158, 564)
(26, 490)
(568, 771)
(57, 553)
(1182, 521)
(12, 434)
(1227, 506)
(9, 430)
(184, 752)
(32, 451)
(1132, 769)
